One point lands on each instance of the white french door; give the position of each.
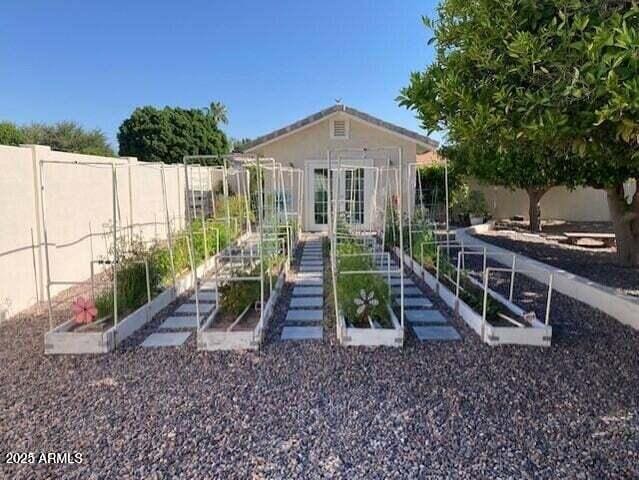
(355, 186)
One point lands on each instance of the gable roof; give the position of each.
(327, 112)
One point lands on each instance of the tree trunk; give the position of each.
(534, 207)
(625, 222)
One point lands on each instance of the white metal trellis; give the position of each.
(384, 175)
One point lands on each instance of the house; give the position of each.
(428, 159)
(351, 138)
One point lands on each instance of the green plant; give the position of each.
(168, 134)
(469, 292)
(68, 137)
(535, 94)
(466, 202)
(10, 134)
(131, 277)
(354, 257)
(235, 296)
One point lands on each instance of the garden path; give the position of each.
(306, 309)
(427, 322)
(179, 325)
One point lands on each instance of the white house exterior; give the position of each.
(351, 138)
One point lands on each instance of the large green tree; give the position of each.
(67, 137)
(168, 134)
(544, 90)
(528, 167)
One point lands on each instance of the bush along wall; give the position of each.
(131, 270)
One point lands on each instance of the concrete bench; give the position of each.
(608, 239)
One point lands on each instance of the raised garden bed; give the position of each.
(366, 315)
(226, 331)
(496, 330)
(376, 335)
(66, 338)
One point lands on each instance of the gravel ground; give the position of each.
(598, 264)
(316, 410)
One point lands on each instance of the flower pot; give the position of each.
(476, 220)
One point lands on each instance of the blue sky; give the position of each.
(270, 62)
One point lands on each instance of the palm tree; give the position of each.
(218, 111)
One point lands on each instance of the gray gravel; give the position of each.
(598, 264)
(317, 410)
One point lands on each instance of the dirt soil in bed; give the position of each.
(597, 264)
(248, 322)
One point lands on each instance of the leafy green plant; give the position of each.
(235, 296)
(132, 292)
(350, 286)
(466, 202)
(168, 134)
(131, 278)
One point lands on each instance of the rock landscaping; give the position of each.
(597, 264)
(318, 410)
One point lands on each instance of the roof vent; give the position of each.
(339, 129)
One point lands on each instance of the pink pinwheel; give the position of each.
(84, 311)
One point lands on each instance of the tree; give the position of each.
(543, 91)
(10, 134)
(218, 112)
(239, 144)
(167, 135)
(68, 137)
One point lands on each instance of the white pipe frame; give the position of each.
(333, 218)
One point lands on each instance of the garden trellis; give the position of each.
(427, 218)
(127, 282)
(243, 278)
(156, 244)
(460, 274)
(357, 248)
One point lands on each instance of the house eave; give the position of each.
(322, 115)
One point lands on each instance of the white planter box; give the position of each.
(538, 334)
(61, 340)
(213, 340)
(607, 299)
(371, 337)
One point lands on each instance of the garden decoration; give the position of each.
(365, 303)
(84, 311)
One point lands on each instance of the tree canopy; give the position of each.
(168, 134)
(537, 93)
(10, 134)
(61, 136)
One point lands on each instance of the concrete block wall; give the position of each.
(79, 210)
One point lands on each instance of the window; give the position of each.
(339, 128)
(354, 196)
(320, 204)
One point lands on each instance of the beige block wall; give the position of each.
(581, 204)
(312, 143)
(18, 211)
(78, 200)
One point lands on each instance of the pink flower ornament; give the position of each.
(84, 311)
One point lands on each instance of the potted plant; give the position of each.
(469, 206)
